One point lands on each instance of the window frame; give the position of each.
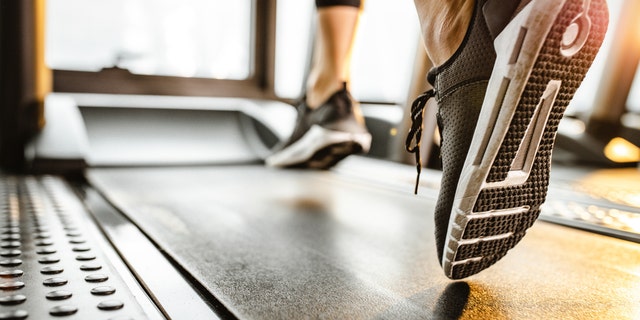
(259, 85)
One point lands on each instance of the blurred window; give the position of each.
(633, 102)
(186, 38)
(586, 94)
(294, 28)
(383, 56)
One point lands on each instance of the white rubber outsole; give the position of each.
(477, 239)
(316, 139)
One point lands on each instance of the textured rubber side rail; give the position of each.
(53, 261)
(543, 56)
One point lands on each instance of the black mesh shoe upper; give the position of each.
(546, 55)
(460, 85)
(337, 113)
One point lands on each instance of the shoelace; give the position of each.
(412, 144)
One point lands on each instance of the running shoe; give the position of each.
(500, 99)
(325, 135)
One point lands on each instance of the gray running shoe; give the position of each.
(325, 135)
(529, 57)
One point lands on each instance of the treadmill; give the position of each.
(176, 217)
(139, 206)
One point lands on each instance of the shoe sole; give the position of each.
(543, 55)
(320, 148)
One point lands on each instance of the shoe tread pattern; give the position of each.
(327, 157)
(550, 65)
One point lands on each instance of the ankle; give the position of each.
(444, 29)
(320, 91)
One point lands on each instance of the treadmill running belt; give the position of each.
(273, 244)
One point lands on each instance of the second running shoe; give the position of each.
(500, 99)
(324, 135)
